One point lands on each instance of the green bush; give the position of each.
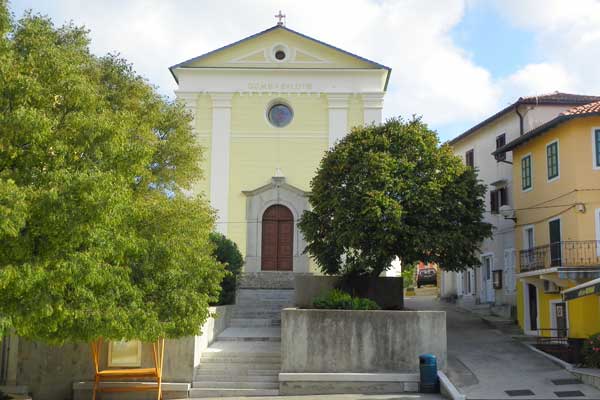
(591, 351)
(227, 253)
(339, 300)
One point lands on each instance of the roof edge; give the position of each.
(562, 118)
(374, 63)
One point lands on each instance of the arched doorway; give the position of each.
(277, 239)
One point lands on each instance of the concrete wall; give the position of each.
(334, 341)
(50, 371)
(385, 291)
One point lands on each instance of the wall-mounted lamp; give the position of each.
(508, 213)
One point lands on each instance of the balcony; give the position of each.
(584, 253)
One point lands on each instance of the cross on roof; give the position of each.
(281, 18)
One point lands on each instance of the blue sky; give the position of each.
(454, 62)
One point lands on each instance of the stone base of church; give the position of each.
(267, 280)
(252, 264)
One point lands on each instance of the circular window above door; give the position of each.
(280, 115)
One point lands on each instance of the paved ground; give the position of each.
(483, 362)
(415, 396)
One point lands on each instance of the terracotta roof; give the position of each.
(554, 98)
(586, 110)
(590, 108)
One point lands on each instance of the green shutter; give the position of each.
(526, 172)
(597, 138)
(552, 160)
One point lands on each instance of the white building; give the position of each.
(493, 281)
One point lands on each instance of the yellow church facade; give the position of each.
(556, 170)
(266, 109)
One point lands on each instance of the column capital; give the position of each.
(338, 100)
(373, 100)
(221, 100)
(186, 96)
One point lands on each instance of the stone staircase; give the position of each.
(245, 360)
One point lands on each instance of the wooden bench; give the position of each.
(129, 373)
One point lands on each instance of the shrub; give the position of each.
(339, 300)
(227, 253)
(591, 351)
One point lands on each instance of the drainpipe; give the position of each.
(520, 119)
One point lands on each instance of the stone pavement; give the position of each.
(483, 362)
(414, 396)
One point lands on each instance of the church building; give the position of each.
(266, 108)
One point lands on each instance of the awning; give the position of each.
(585, 289)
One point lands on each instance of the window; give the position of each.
(470, 158)
(552, 160)
(498, 198)
(497, 279)
(596, 148)
(529, 241)
(280, 115)
(500, 141)
(526, 172)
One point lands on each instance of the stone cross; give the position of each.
(281, 18)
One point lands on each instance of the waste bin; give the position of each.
(428, 370)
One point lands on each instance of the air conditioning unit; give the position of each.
(551, 287)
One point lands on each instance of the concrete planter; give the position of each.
(382, 347)
(388, 292)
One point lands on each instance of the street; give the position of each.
(484, 363)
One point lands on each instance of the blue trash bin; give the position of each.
(428, 370)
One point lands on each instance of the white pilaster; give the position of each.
(190, 102)
(219, 157)
(338, 117)
(372, 107)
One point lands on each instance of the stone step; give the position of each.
(250, 339)
(248, 322)
(240, 354)
(200, 377)
(239, 366)
(235, 385)
(209, 371)
(249, 359)
(224, 392)
(257, 314)
(273, 307)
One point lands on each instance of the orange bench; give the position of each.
(129, 373)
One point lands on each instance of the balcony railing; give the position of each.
(584, 253)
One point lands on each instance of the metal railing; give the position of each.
(582, 253)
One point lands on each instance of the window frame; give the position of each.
(501, 156)
(530, 187)
(596, 148)
(472, 153)
(557, 176)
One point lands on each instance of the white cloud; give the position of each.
(431, 75)
(567, 37)
(537, 79)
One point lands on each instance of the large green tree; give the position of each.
(97, 236)
(392, 190)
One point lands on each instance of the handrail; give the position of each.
(574, 253)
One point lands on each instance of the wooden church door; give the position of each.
(277, 239)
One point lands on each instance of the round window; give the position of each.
(280, 55)
(280, 115)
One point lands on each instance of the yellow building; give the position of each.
(556, 170)
(266, 108)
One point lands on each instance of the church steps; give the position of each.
(251, 322)
(236, 385)
(246, 359)
(199, 377)
(225, 392)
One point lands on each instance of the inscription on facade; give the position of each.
(282, 86)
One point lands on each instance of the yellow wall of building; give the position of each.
(578, 182)
(576, 175)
